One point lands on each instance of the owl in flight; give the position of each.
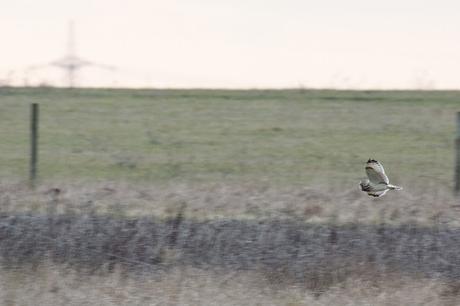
(377, 183)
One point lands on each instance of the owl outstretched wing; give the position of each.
(375, 172)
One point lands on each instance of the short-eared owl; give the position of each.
(377, 183)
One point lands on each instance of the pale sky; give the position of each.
(352, 44)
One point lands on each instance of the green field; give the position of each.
(276, 137)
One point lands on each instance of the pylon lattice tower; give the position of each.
(71, 63)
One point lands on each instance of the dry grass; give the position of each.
(120, 244)
(58, 285)
(423, 205)
(296, 233)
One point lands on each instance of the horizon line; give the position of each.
(232, 88)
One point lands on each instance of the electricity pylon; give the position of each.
(71, 63)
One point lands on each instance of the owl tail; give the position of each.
(393, 187)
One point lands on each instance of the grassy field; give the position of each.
(213, 197)
(280, 138)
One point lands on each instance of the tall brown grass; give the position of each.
(117, 243)
(51, 284)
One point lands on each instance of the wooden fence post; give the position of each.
(33, 143)
(457, 157)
